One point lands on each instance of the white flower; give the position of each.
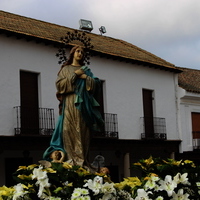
(80, 194)
(107, 197)
(168, 185)
(95, 185)
(180, 195)
(66, 183)
(76, 193)
(80, 198)
(142, 195)
(159, 198)
(43, 184)
(98, 179)
(87, 197)
(182, 179)
(151, 183)
(38, 173)
(19, 188)
(54, 198)
(198, 184)
(108, 188)
(19, 191)
(84, 192)
(42, 180)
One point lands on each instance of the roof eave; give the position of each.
(57, 43)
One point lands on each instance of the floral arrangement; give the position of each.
(162, 179)
(168, 179)
(58, 182)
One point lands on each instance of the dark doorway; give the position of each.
(114, 173)
(11, 166)
(148, 112)
(98, 95)
(29, 103)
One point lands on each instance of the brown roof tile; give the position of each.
(102, 44)
(189, 80)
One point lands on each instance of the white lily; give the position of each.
(168, 185)
(182, 179)
(42, 179)
(38, 173)
(142, 195)
(108, 188)
(180, 195)
(19, 191)
(95, 185)
(151, 183)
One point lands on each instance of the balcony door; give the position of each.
(196, 125)
(29, 103)
(148, 112)
(196, 130)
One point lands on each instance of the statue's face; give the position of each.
(78, 54)
(55, 155)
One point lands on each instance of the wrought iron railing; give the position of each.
(110, 129)
(33, 121)
(196, 143)
(196, 139)
(153, 128)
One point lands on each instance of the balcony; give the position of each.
(110, 129)
(33, 121)
(153, 128)
(196, 139)
(196, 143)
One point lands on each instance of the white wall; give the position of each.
(123, 86)
(124, 83)
(189, 102)
(16, 55)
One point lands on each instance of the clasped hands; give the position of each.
(81, 73)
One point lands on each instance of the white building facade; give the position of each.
(133, 91)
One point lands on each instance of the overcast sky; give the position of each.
(169, 29)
